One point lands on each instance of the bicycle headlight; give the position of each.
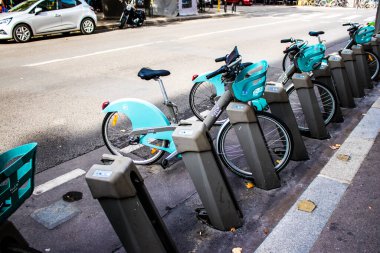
(5, 21)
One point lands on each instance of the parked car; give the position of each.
(241, 2)
(37, 17)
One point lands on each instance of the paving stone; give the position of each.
(55, 214)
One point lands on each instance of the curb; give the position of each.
(297, 231)
(113, 24)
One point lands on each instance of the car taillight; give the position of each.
(194, 77)
(105, 104)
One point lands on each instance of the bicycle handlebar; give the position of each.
(217, 72)
(224, 68)
(223, 58)
(290, 49)
(286, 40)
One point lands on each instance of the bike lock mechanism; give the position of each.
(342, 83)
(195, 145)
(244, 121)
(310, 107)
(363, 68)
(323, 75)
(279, 105)
(352, 73)
(121, 192)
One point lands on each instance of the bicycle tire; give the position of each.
(120, 141)
(207, 98)
(373, 65)
(236, 153)
(326, 99)
(286, 61)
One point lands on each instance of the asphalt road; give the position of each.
(52, 88)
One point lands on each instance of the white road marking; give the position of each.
(91, 54)
(313, 15)
(58, 181)
(351, 17)
(237, 29)
(332, 16)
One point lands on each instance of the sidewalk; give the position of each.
(353, 226)
(110, 24)
(50, 224)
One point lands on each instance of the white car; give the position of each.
(37, 17)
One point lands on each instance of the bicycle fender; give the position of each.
(141, 113)
(216, 81)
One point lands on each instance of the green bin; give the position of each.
(17, 168)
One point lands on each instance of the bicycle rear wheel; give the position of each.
(116, 131)
(278, 140)
(326, 101)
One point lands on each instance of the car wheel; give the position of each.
(87, 26)
(22, 33)
(241, 2)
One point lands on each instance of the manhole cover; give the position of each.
(72, 196)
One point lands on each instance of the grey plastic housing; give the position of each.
(342, 83)
(244, 121)
(352, 73)
(310, 106)
(208, 176)
(323, 75)
(121, 192)
(279, 105)
(362, 66)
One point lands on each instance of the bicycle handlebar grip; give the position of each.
(346, 24)
(216, 72)
(286, 40)
(223, 58)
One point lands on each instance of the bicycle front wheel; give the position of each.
(373, 64)
(326, 101)
(116, 131)
(202, 99)
(277, 137)
(287, 61)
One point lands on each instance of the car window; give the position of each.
(48, 5)
(23, 6)
(64, 4)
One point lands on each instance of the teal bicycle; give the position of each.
(206, 92)
(139, 130)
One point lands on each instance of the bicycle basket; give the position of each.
(16, 178)
(364, 34)
(250, 82)
(310, 57)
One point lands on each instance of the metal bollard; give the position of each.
(342, 83)
(279, 105)
(310, 107)
(323, 75)
(244, 121)
(194, 143)
(121, 192)
(352, 72)
(362, 65)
